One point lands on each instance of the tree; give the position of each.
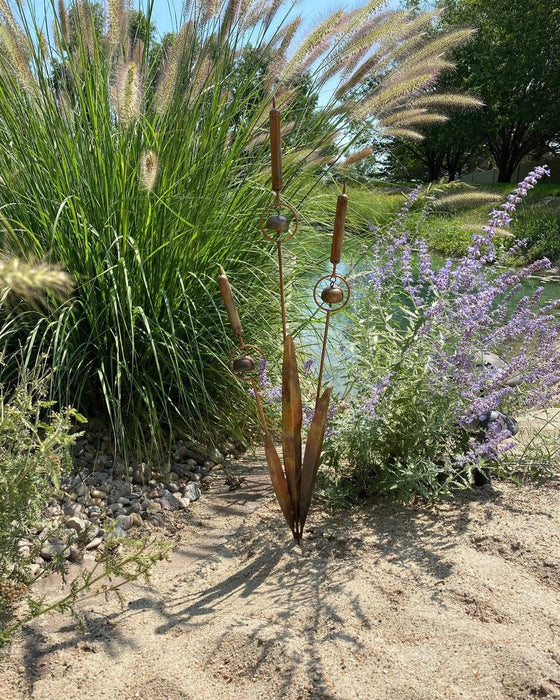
(513, 65)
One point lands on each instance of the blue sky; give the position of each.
(167, 12)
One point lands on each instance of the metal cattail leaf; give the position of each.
(127, 92)
(292, 417)
(312, 455)
(148, 170)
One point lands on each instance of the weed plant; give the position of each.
(420, 382)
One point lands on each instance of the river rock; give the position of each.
(72, 509)
(124, 521)
(154, 507)
(192, 491)
(51, 549)
(76, 524)
(141, 473)
(94, 543)
(216, 456)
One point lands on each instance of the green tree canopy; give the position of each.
(513, 65)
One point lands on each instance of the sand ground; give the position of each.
(457, 601)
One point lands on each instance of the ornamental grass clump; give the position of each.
(434, 349)
(139, 165)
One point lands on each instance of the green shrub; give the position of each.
(418, 416)
(540, 226)
(34, 452)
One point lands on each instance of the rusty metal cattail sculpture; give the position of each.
(293, 480)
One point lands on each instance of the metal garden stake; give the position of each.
(294, 480)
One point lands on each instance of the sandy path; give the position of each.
(462, 601)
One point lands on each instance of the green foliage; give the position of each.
(540, 225)
(34, 451)
(513, 65)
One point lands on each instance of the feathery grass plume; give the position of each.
(202, 72)
(31, 280)
(127, 92)
(116, 16)
(84, 27)
(443, 44)
(319, 37)
(254, 15)
(148, 170)
(211, 9)
(444, 99)
(10, 49)
(408, 134)
(63, 22)
(230, 16)
(167, 81)
(285, 36)
(356, 157)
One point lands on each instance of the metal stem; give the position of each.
(260, 407)
(282, 302)
(323, 353)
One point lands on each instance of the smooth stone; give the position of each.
(82, 490)
(93, 511)
(141, 473)
(94, 543)
(124, 521)
(209, 465)
(72, 509)
(192, 491)
(97, 493)
(34, 569)
(51, 549)
(92, 531)
(157, 519)
(136, 520)
(216, 456)
(76, 555)
(154, 507)
(76, 524)
(115, 508)
(134, 507)
(24, 551)
(124, 501)
(207, 480)
(170, 502)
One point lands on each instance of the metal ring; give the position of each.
(277, 205)
(332, 278)
(241, 352)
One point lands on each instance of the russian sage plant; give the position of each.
(433, 350)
